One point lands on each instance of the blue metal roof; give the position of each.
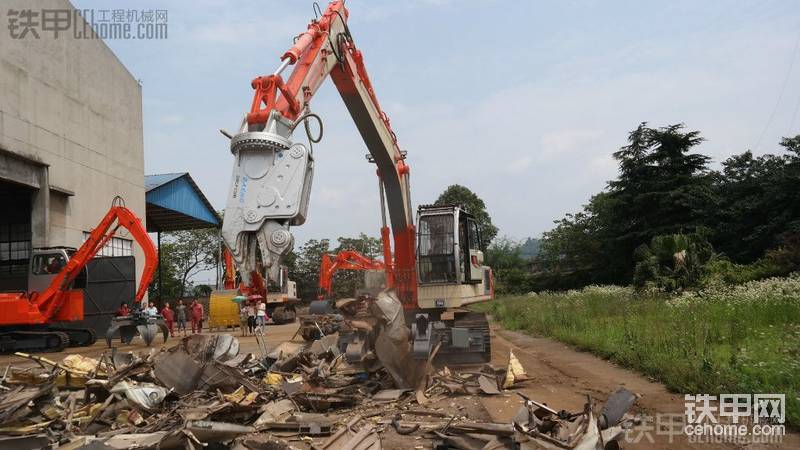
(154, 181)
(174, 202)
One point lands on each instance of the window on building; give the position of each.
(115, 247)
(15, 248)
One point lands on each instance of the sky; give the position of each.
(521, 101)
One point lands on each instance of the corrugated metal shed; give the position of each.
(174, 202)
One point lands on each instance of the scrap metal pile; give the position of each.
(204, 392)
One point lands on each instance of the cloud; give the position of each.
(561, 142)
(520, 164)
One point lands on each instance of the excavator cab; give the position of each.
(448, 247)
(46, 263)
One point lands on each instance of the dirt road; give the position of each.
(562, 377)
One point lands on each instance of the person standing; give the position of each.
(192, 316)
(251, 317)
(169, 317)
(181, 316)
(152, 311)
(197, 316)
(123, 310)
(261, 315)
(243, 323)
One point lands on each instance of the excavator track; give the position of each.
(78, 337)
(33, 341)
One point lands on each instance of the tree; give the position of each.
(579, 250)
(530, 248)
(662, 188)
(673, 262)
(304, 269)
(183, 255)
(511, 269)
(368, 246)
(758, 206)
(202, 290)
(664, 196)
(165, 280)
(460, 195)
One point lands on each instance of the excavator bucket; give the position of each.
(149, 331)
(129, 326)
(124, 326)
(126, 334)
(392, 346)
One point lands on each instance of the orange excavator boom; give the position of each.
(118, 216)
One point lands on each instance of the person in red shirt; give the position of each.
(123, 310)
(197, 317)
(169, 317)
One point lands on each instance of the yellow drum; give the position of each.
(223, 312)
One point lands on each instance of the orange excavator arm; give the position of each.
(229, 274)
(256, 284)
(118, 216)
(344, 260)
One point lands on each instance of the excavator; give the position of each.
(434, 268)
(344, 260)
(56, 279)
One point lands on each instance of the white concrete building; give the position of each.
(70, 141)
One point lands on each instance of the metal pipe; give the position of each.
(302, 43)
(160, 286)
(219, 258)
(284, 64)
(383, 202)
(408, 196)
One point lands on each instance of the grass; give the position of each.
(725, 339)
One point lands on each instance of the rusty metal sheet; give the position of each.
(488, 385)
(388, 395)
(347, 438)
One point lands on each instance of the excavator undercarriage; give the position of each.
(43, 338)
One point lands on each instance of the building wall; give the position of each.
(71, 113)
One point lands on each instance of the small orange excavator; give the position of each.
(28, 320)
(344, 260)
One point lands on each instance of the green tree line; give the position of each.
(668, 218)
